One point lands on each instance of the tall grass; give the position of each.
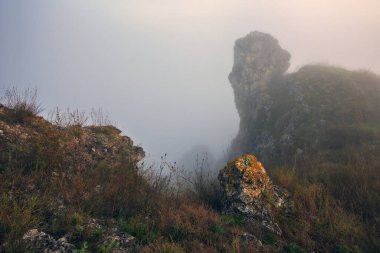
(49, 182)
(24, 103)
(337, 204)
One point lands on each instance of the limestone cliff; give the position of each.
(257, 59)
(285, 116)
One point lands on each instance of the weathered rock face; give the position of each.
(38, 241)
(257, 59)
(78, 145)
(116, 240)
(106, 141)
(284, 117)
(249, 191)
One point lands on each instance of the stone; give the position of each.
(113, 239)
(257, 58)
(249, 191)
(39, 241)
(250, 239)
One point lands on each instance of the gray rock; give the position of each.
(247, 238)
(39, 241)
(257, 59)
(249, 191)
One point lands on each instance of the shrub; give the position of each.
(76, 117)
(23, 103)
(143, 228)
(205, 185)
(100, 118)
(68, 117)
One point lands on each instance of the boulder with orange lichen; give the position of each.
(249, 191)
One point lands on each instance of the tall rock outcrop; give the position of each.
(284, 117)
(257, 59)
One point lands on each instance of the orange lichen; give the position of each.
(252, 193)
(249, 173)
(252, 170)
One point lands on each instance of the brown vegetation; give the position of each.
(50, 180)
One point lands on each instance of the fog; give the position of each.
(160, 67)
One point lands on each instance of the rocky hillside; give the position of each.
(79, 189)
(91, 144)
(286, 117)
(57, 178)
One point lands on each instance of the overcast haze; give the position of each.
(160, 67)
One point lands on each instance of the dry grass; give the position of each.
(22, 100)
(24, 103)
(336, 202)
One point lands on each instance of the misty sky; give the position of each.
(160, 67)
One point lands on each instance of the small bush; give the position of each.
(206, 187)
(143, 228)
(76, 117)
(23, 103)
(76, 219)
(233, 220)
(68, 117)
(100, 118)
